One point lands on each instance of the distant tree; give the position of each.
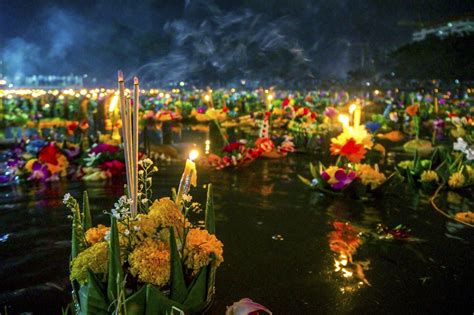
(435, 58)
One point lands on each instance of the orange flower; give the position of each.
(352, 150)
(412, 110)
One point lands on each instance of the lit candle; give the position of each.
(189, 176)
(352, 109)
(357, 113)
(344, 119)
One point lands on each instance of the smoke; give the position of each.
(200, 41)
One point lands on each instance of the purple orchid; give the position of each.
(343, 178)
(39, 172)
(330, 112)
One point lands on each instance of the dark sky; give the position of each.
(208, 40)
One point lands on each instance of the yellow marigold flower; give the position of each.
(94, 258)
(150, 261)
(429, 176)
(96, 234)
(166, 212)
(369, 176)
(199, 246)
(470, 172)
(360, 135)
(454, 198)
(456, 180)
(406, 164)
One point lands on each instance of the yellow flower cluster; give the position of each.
(163, 213)
(369, 176)
(94, 258)
(406, 164)
(360, 136)
(199, 247)
(150, 261)
(429, 176)
(456, 180)
(470, 172)
(96, 234)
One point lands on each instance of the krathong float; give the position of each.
(351, 175)
(152, 259)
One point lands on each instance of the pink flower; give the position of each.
(246, 307)
(103, 147)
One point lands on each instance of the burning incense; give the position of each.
(130, 139)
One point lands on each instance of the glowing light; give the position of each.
(352, 108)
(344, 119)
(207, 98)
(3, 82)
(376, 92)
(113, 103)
(181, 83)
(270, 97)
(193, 155)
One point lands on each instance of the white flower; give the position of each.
(126, 232)
(66, 198)
(136, 228)
(460, 145)
(470, 154)
(91, 158)
(144, 201)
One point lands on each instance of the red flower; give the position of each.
(71, 127)
(49, 154)
(115, 167)
(84, 125)
(285, 102)
(232, 147)
(354, 151)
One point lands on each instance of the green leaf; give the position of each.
(115, 272)
(211, 278)
(86, 218)
(173, 194)
(74, 243)
(136, 303)
(312, 170)
(210, 215)
(305, 180)
(157, 303)
(196, 298)
(178, 286)
(92, 298)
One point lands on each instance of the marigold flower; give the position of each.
(429, 176)
(456, 180)
(94, 258)
(406, 164)
(412, 110)
(166, 213)
(150, 261)
(199, 247)
(370, 176)
(353, 151)
(96, 234)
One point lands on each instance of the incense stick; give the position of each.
(136, 102)
(123, 113)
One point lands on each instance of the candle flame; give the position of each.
(193, 155)
(270, 97)
(113, 103)
(344, 119)
(352, 108)
(206, 98)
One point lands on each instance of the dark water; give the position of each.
(276, 250)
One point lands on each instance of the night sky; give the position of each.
(212, 41)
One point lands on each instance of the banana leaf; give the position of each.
(115, 272)
(157, 303)
(178, 286)
(92, 297)
(210, 215)
(305, 180)
(196, 299)
(86, 218)
(136, 303)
